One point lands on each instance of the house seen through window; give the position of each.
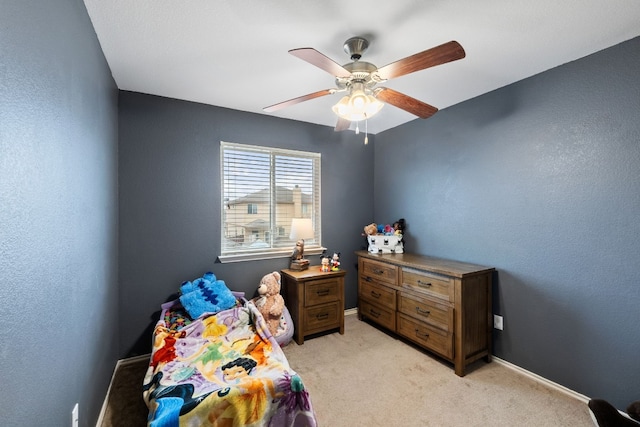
(263, 189)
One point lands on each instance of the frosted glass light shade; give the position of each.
(358, 106)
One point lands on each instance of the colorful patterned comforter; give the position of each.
(222, 369)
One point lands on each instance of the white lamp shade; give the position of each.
(301, 228)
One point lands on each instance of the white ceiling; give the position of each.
(234, 53)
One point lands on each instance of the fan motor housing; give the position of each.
(355, 47)
(360, 72)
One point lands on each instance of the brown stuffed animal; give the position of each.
(270, 303)
(370, 229)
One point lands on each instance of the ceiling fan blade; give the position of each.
(438, 55)
(342, 124)
(280, 105)
(316, 58)
(406, 103)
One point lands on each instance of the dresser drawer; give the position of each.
(383, 316)
(433, 312)
(382, 272)
(432, 338)
(378, 294)
(320, 291)
(322, 317)
(432, 284)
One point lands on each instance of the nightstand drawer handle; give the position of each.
(423, 312)
(374, 313)
(322, 292)
(421, 334)
(375, 270)
(375, 294)
(425, 284)
(322, 316)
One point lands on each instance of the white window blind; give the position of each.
(263, 189)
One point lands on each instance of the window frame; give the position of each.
(276, 155)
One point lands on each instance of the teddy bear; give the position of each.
(269, 302)
(370, 229)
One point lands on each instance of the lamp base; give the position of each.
(299, 264)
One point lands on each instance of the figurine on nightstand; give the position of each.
(324, 264)
(335, 261)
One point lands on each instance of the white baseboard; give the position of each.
(351, 311)
(119, 363)
(542, 380)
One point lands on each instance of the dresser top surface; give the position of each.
(425, 262)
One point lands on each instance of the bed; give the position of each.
(221, 368)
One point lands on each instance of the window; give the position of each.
(263, 189)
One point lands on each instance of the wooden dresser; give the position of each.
(444, 306)
(315, 300)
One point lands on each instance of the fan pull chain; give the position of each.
(366, 130)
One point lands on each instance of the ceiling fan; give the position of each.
(359, 79)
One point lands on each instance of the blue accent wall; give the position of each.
(540, 179)
(108, 201)
(170, 200)
(58, 215)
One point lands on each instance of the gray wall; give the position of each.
(540, 179)
(58, 215)
(169, 157)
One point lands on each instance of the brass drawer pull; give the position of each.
(322, 316)
(374, 313)
(322, 292)
(425, 284)
(375, 294)
(375, 270)
(422, 335)
(423, 312)
(367, 279)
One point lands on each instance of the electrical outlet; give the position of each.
(74, 416)
(498, 322)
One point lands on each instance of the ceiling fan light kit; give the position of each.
(359, 80)
(358, 105)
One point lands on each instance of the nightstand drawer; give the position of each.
(430, 283)
(382, 272)
(432, 338)
(382, 316)
(378, 294)
(320, 291)
(435, 313)
(322, 317)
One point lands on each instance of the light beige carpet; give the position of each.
(369, 378)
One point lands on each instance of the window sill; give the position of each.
(224, 259)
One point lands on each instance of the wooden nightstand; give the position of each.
(315, 300)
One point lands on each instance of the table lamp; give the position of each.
(301, 228)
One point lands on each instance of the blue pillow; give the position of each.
(206, 295)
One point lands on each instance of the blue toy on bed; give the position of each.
(206, 295)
